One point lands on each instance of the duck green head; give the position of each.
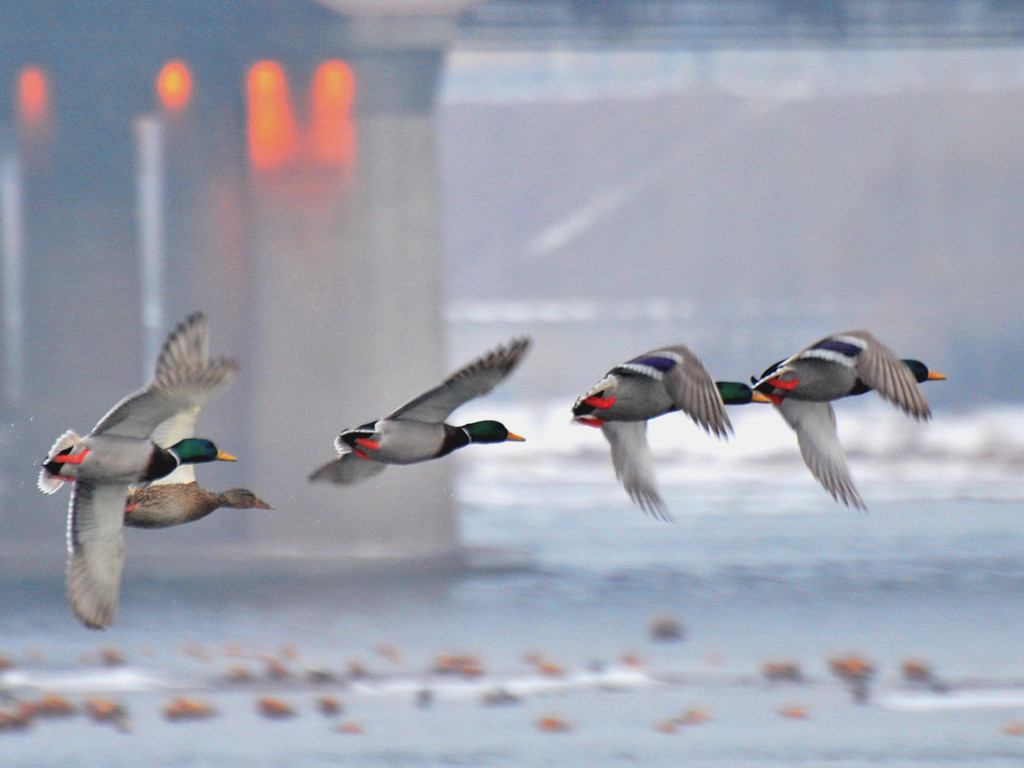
(197, 450)
(737, 393)
(921, 372)
(489, 432)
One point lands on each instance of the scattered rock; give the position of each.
(782, 670)
(666, 629)
(188, 709)
(553, 724)
(329, 706)
(795, 712)
(274, 709)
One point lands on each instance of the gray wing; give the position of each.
(815, 427)
(879, 368)
(631, 458)
(693, 392)
(95, 551)
(473, 380)
(140, 415)
(187, 346)
(185, 378)
(347, 468)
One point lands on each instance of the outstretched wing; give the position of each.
(692, 391)
(95, 551)
(185, 378)
(880, 369)
(815, 427)
(347, 468)
(187, 346)
(473, 380)
(631, 458)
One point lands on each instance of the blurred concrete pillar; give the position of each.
(347, 312)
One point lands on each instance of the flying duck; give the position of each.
(162, 505)
(657, 382)
(129, 447)
(417, 431)
(844, 364)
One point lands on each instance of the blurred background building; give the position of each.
(362, 195)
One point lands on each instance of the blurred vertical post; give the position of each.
(346, 293)
(149, 217)
(11, 245)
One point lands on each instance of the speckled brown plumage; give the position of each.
(161, 506)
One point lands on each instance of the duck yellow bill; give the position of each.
(757, 397)
(512, 436)
(225, 456)
(933, 376)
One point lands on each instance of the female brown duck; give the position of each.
(165, 504)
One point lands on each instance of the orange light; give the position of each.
(174, 85)
(272, 132)
(33, 97)
(333, 131)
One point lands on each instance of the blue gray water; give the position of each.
(940, 579)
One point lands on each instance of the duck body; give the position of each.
(623, 395)
(844, 364)
(106, 458)
(652, 384)
(803, 387)
(661, 381)
(418, 431)
(169, 504)
(812, 379)
(125, 449)
(401, 441)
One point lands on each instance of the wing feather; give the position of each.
(879, 368)
(141, 414)
(815, 427)
(347, 468)
(472, 380)
(691, 389)
(95, 551)
(631, 458)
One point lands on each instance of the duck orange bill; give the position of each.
(225, 456)
(757, 397)
(933, 376)
(512, 436)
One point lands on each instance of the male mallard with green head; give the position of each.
(844, 364)
(655, 383)
(125, 449)
(417, 431)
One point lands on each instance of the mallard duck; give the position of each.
(844, 364)
(176, 498)
(162, 505)
(655, 383)
(417, 431)
(129, 447)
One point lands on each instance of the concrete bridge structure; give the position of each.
(283, 179)
(290, 189)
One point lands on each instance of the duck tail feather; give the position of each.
(49, 482)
